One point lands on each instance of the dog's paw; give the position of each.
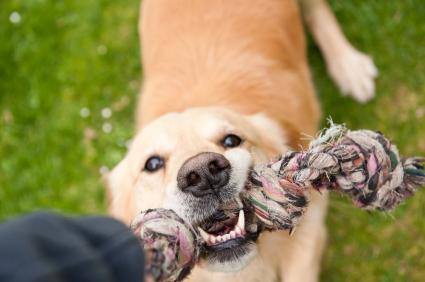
(354, 74)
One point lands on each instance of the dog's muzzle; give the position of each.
(204, 174)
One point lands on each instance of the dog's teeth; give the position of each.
(204, 234)
(241, 220)
(213, 239)
(238, 231)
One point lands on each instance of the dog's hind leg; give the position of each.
(353, 71)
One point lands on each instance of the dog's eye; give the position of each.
(154, 163)
(231, 141)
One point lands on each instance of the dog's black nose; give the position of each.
(204, 173)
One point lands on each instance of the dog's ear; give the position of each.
(118, 190)
(275, 137)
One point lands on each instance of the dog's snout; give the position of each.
(204, 173)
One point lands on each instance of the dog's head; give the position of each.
(192, 162)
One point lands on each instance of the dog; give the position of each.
(227, 86)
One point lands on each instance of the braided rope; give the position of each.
(362, 164)
(170, 244)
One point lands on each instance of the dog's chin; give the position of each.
(232, 257)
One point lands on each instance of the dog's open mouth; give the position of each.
(229, 233)
(223, 228)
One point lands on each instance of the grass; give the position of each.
(59, 57)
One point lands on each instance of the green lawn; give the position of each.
(60, 60)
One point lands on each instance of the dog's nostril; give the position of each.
(217, 165)
(193, 178)
(213, 167)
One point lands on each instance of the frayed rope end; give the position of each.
(414, 173)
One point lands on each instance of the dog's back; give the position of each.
(245, 55)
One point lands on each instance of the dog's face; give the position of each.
(193, 162)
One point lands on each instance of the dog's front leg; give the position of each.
(303, 250)
(352, 70)
(303, 264)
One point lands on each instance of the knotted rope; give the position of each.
(170, 245)
(361, 164)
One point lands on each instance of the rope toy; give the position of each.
(362, 164)
(169, 243)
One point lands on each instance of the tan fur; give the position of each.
(248, 56)
(225, 66)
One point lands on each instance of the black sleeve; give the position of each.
(49, 247)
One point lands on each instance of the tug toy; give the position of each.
(362, 164)
(170, 244)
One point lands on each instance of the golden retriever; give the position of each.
(227, 86)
